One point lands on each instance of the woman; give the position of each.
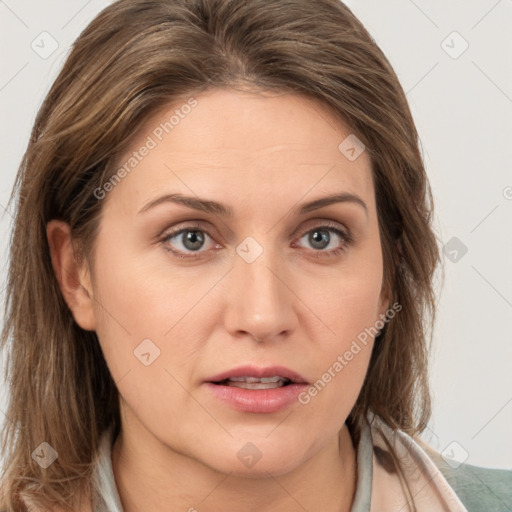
(221, 273)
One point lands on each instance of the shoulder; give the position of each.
(478, 488)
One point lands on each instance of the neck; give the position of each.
(150, 476)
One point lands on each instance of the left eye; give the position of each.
(320, 238)
(190, 239)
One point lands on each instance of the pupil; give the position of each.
(193, 240)
(319, 239)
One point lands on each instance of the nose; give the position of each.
(261, 303)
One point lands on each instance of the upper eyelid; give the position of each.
(310, 223)
(317, 223)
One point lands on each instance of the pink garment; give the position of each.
(404, 477)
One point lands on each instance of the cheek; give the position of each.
(142, 309)
(342, 358)
(148, 335)
(345, 355)
(348, 308)
(148, 326)
(349, 302)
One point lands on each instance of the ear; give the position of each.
(73, 275)
(383, 302)
(383, 308)
(386, 292)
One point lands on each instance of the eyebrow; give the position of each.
(216, 208)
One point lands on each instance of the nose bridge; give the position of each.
(262, 305)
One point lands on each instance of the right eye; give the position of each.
(189, 239)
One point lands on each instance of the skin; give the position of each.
(262, 155)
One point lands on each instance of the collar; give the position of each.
(395, 474)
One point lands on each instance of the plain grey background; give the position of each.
(454, 60)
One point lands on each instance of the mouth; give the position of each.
(256, 389)
(254, 377)
(247, 382)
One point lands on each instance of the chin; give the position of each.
(260, 470)
(258, 459)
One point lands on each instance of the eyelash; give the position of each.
(347, 240)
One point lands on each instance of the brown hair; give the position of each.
(134, 58)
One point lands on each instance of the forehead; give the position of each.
(234, 144)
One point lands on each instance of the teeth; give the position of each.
(255, 385)
(246, 382)
(276, 378)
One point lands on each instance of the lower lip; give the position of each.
(257, 400)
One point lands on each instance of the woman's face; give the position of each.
(183, 293)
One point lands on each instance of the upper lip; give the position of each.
(255, 371)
